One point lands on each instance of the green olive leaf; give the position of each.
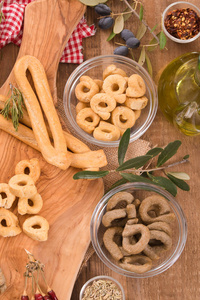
(149, 65)
(135, 178)
(90, 174)
(168, 152)
(141, 31)
(163, 40)
(123, 146)
(136, 162)
(186, 156)
(141, 12)
(90, 2)
(153, 29)
(119, 24)
(179, 175)
(131, 52)
(165, 183)
(111, 36)
(155, 151)
(141, 60)
(154, 43)
(179, 182)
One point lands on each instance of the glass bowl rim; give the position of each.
(171, 36)
(85, 136)
(100, 277)
(182, 224)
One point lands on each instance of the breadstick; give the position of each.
(74, 144)
(57, 154)
(88, 160)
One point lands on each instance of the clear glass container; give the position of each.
(103, 277)
(140, 191)
(179, 5)
(179, 93)
(94, 68)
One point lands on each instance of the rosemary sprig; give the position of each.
(1, 12)
(14, 107)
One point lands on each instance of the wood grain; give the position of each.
(68, 206)
(48, 25)
(181, 281)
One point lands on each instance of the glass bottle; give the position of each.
(179, 93)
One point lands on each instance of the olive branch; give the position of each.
(170, 182)
(116, 21)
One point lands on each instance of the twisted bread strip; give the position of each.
(90, 159)
(57, 154)
(74, 144)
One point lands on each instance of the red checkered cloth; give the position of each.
(11, 30)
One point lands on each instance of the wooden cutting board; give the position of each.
(68, 204)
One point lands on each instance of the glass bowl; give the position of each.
(103, 277)
(94, 68)
(179, 5)
(140, 191)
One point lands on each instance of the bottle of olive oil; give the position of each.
(179, 93)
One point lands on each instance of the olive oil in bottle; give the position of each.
(179, 93)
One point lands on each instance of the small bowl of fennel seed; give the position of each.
(102, 287)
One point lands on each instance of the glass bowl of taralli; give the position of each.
(138, 230)
(107, 94)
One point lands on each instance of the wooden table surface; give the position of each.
(181, 281)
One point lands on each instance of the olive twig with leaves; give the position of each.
(130, 169)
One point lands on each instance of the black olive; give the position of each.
(102, 9)
(126, 34)
(106, 22)
(121, 50)
(133, 42)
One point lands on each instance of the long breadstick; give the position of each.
(74, 144)
(57, 154)
(90, 160)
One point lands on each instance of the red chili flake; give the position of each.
(182, 23)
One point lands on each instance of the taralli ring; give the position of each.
(132, 230)
(30, 167)
(102, 104)
(87, 119)
(6, 197)
(119, 200)
(112, 70)
(163, 238)
(114, 85)
(9, 225)
(159, 205)
(22, 185)
(86, 89)
(123, 117)
(161, 226)
(136, 263)
(106, 132)
(80, 106)
(136, 103)
(136, 86)
(31, 205)
(109, 243)
(36, 228)
(116, 217)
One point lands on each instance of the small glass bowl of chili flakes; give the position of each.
(181, 22)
